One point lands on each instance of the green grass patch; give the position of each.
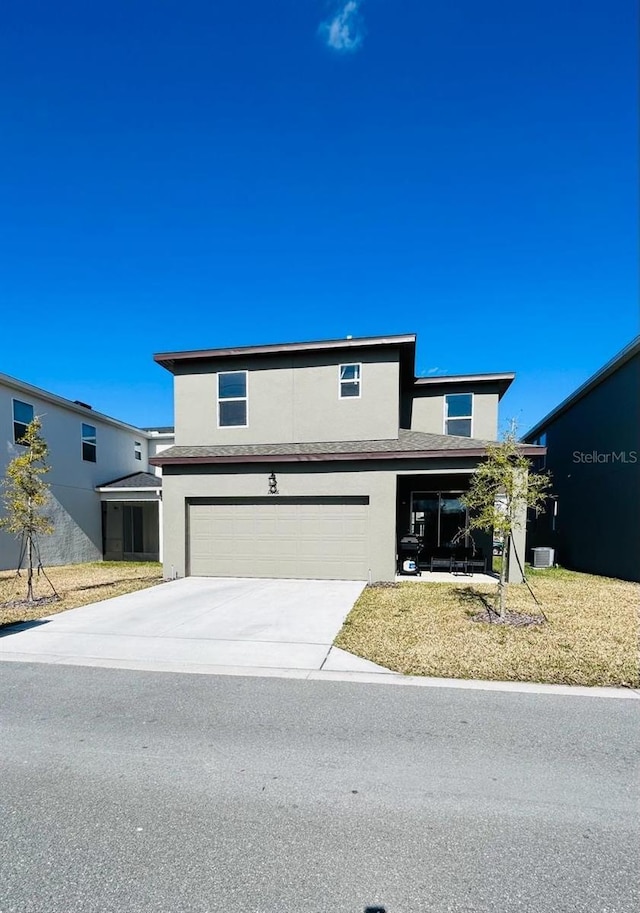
(76, 584)
(417, 628)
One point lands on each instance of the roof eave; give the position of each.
(107, 488)
(88, 412)
(502, 380)
(625, 355)
(460, 453)
(168, 359)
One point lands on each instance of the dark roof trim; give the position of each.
(168, 359)
(595, 380)
(463, 378)
(356, 456)
(503, 380)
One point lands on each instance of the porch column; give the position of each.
(519, 536)
(160, 528)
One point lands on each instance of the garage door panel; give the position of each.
(314, 538)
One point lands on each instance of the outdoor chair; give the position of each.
(459, 560)
(440, 560)
(477, 563)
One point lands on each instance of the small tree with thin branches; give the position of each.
(24, 496)
(501, 490)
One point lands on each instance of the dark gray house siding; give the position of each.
(593, 454)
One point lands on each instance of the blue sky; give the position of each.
(191, 174)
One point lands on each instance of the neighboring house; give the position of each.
(310, 460)
(593, 454)
(105, 500)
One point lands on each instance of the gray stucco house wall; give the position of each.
(311, 483)
(593, 454)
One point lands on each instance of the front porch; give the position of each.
(132, 518)
(446, 577)
(429, 508)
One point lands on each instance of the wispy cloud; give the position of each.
(344, 31)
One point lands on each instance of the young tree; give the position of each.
(24, 495)
(501, 490)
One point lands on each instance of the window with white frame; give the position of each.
(89, 443)
(458, 413)
(137, 450)
(22, 416)
(350, 381)
(232, 399)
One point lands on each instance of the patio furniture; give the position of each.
(440, 560)
(477, 563)
(459, 560)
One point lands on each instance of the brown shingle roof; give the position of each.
(408, 444)
(136, 480)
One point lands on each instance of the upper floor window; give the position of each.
(22, 415)
(137, 450)
(232, 399)
(458, 412)
(350, 381)
(89, 443)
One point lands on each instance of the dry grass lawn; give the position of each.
(591, 637)
(77, 584)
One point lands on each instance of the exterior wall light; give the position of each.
(273, 484)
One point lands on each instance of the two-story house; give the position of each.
(311, 459)
(105, 499)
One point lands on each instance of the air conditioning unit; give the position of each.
(543, 557)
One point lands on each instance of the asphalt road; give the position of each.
(130, 791)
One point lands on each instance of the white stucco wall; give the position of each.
(159, 441)
(74, 504)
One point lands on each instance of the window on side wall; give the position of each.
(137, 452)
(22, 415)
(541, 441)
(458, 414)
(350, 381)
(89, 443)
(232, 399)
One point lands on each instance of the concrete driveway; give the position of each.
(201, 624)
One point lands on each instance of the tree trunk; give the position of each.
(30, 567)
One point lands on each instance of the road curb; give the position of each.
(315, 675)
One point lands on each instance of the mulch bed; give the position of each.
(29, 604)
(515, 619)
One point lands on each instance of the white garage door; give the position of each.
(311, 538)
